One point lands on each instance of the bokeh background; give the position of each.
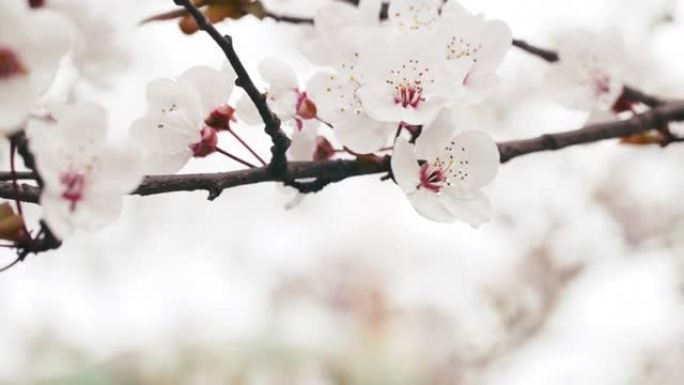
(577, 280)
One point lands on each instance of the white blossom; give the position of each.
(179, 123)
(96, 52)
(482, 43)
(84, 177)
(338, 24)
(588, 75)
(32, 43)
(444, 172)
(407, 80)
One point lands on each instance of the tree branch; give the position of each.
(338, 170)
(278, 165)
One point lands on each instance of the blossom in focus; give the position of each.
(84, 177)
(482, 43)
(183, 118)
(444, 172)
(339, 105)
(29, 58)
(588, 75)
(406, 80)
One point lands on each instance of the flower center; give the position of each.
(10, 64)
(409, 95)
(73, 183)
(432, 178)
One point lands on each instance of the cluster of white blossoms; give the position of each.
(405, 84)
(414, 74)
(183, 118)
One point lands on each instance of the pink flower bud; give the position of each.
(207, 145)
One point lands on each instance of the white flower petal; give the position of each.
(278, 74)
(473, 208)
(214, 87)
(428, 204)
(405, 166)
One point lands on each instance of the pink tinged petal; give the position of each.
(429, 205)
(405, 166)
(278, 75)
(473, 208)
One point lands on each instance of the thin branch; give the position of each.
(278, 164)
(288, 19)
(338, 170)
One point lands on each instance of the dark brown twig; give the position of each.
(338, 170)
(278, 163)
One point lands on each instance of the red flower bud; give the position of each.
(324, 150)
(207, 145)
(221, 117)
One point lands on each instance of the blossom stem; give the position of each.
(235, 158)
(247, 146)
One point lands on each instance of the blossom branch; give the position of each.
(278, 163)
(338, 170)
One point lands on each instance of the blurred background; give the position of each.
(577, 280)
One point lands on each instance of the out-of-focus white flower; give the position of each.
(32, 43)
(183, 118)
(407, 80)
(84, 177)
(413, 15)
(484, 44)
(588, 75)
(96, 53)
(338, 24)
(444, 172)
